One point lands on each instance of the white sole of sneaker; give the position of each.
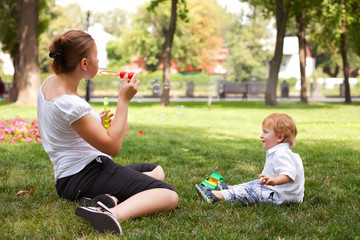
(101, 221)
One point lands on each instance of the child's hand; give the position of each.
(264, 179)
(103, 115)
(278, 180)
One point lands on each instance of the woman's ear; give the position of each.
(281, 137)
(83, 64)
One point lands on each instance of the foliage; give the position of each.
(9, 25)
(196, 41)
(247, 54)
(61, 19)
(325, 34)
(223, 139)
(176, 77)
(114, 22)
(118, 54)
(201, 38)
(354, 26)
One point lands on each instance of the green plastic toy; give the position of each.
(106, 118)
(211, 181)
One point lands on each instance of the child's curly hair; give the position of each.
(282, 123)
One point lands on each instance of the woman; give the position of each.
(79, 146)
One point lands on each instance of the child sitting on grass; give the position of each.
(282, 179)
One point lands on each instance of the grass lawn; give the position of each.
(191, 144)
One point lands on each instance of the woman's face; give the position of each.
(92, 64)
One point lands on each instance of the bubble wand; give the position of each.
(122, 74)
(114, 74)
(107, 109)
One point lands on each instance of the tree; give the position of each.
(247, 56)
(114, 22)
(301, 19)
(29, 70)
(344, 49)
(336, 17)
(282, 11)
(302, 11)
(60, 19)
(9, 27)
(169, 36)
(15, 18)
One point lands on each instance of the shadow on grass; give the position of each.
(4, 103)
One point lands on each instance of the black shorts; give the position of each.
(107, 177)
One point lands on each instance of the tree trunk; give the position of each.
(344, 56)
(282, 14)
(15, 55)
(302, 56)
(29, 79)
(169, 36)
(14, 91)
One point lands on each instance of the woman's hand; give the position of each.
(109, 141)
(103, 115)
(129, 87)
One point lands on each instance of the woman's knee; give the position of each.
(158, 173)
(173, 199)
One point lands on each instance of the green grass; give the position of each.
(223, 139)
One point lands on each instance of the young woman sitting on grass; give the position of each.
(79, 146)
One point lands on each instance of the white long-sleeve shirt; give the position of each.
(281, 160)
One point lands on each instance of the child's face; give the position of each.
(269, 138)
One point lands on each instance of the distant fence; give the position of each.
(178, 89)
(152, 89)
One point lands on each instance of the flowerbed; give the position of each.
(18, 130)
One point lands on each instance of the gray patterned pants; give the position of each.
(250, 192)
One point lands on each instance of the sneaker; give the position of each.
(221, 185)
(102, 220)
(206, 193)
(106, 199)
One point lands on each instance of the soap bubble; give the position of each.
(152, 81)
(156, 87)
(166, 85)
(162, 117)
(139, 98)
(180, 110)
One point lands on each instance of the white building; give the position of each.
(101, 39)
(6, 63)
(290, 66)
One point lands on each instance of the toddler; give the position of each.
(282, 179)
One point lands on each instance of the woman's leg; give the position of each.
(147, 203)
(158, 173)
(150, 169)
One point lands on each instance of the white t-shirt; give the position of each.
(68, 151)
(281, 160)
